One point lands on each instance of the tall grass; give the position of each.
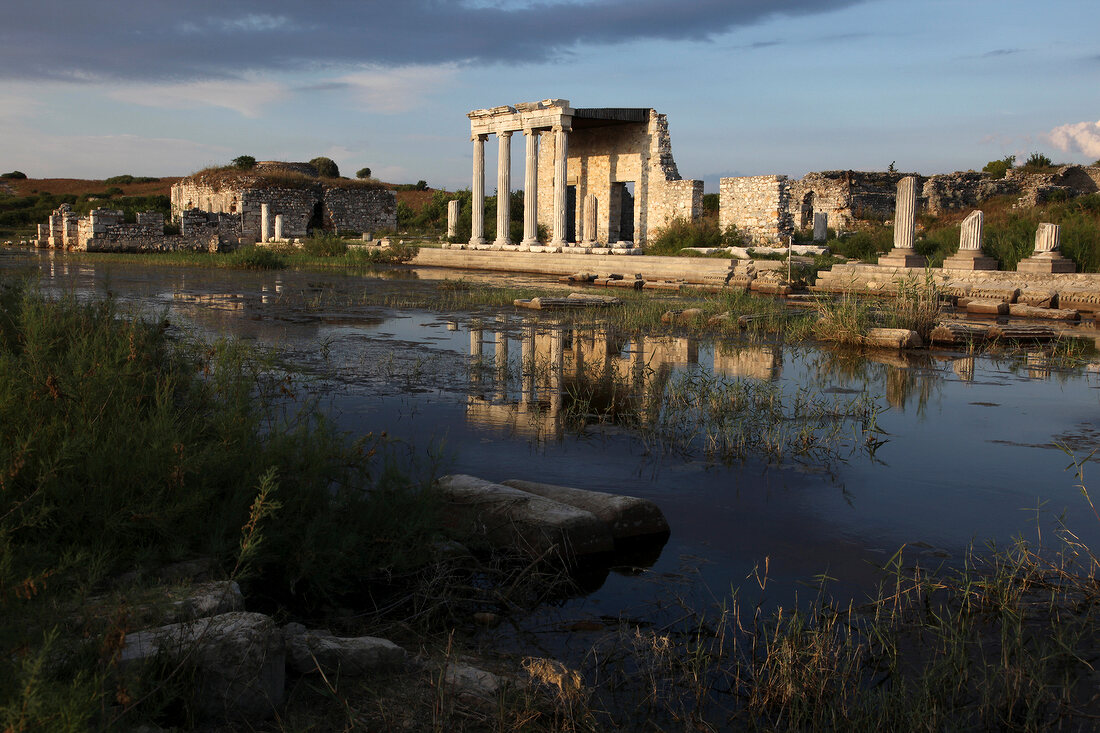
(122, 449)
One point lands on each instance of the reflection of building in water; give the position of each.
(964, 368)
(1038, 365)
(755, 362)
(597, 370)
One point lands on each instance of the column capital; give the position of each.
(482, 136)
(530, 131)
(505, 133)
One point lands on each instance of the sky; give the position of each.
(750, 87)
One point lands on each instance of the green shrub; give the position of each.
(681, 233)
(326, 167)
(128, 179)
(325, 246)
(362, 173)
(865, 244)
(14, 174)
(244, 162)
(256, 258)
(999, 168)
(710, 204)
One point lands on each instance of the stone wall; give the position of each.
(1067, 181)
(311, 205)
(603, 161)
(758, 206)
(846, 196)
(359, 210)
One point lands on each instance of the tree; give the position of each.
(999, 168)
(14, 174)
(326, 167)
(362, 173)
(421, 185)
(244, 162)
(1038, 160)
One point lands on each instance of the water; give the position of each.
(971, 451)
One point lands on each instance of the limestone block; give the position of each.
(1079, 299)
(512, 519)
(452, 217)
(893, 338)
(627, 516)
(1039, 298)
(315, 651)
(240, 659)
(987, 307)
(1052, 314)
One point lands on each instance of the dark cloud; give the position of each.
(204, 38)
(1001, 52)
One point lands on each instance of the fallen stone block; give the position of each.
(1022, 333)
(893, 338)
(239, 659)
(626, 516)
(1038, 298)
(987, 307)
(1051, 314)
(687, 315)
(955, 333)
(320, 651)
(508, 518)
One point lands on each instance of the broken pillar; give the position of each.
(821, 226)
(590, 210)
(265, 222)
(452, 217)
(969, 256)
(278, 227)
(905, 228)
(1047, 258)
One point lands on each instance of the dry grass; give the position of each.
(79, 186)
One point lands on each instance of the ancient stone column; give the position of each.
(1047, 238)
(475, 339)
(970, 236)
(969, 256)
(278, 227)
(1047, 258)
(504, 187)
(905, 213)
(905, 228)
(501, 350)
(265, 214)
(590, 208)
(452, 217)
(531, 189)
(821, 226)
(561, 167)
(477, 214)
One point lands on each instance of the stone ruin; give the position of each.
(307, 204)
(618, 160)
(106, 230)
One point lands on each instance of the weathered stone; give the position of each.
(311, 652)
(1051, 314)
(477, 211)
(1046, 257)
(821, 226)
(987, 307)
(465, 679)
(452, 217)
(279, 222)
(1038, 298)
(504, 187)
(626, 516)
(969, 256)
(905, 213)
(265, 222)
(509, 518)
(757, 206)
(590, 209)
(240, 661)
(893, 338)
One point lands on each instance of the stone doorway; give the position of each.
(620, 210)
(806, 218)
(570, 213)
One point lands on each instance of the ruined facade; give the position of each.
(106, 230)
(621, 156)
(758, 206)
(305, 203)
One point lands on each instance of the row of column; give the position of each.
(530, 188)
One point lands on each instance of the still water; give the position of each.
(973, 449)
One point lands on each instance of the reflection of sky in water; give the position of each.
(965, 460)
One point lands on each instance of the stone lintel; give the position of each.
(546, 114)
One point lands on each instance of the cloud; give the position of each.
(249, 97)
(141, 40)
(1001, 52)
(396, 89)
(1079, 137)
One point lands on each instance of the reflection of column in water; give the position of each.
(527, 357)
(637, 362)
(1038, 365)
(265, 299)
(475, 352)
(557, 367)
(500, 355)
(964, 368)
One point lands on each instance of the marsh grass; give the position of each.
(915, 306)
(123, 448)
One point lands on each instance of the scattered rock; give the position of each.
(468, 680)
(314, 651)
(239, 659)
(893, 338)
(626, 516)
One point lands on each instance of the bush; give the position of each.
(710, 204)
(681, 233)
(14, 174)
(326, 167)
(999, 168)
(421, 185)
(865, 245)
(244, 162)
(325, 246)
(1037, 163)
(257, 258)
(362, 173)
(128, 179)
